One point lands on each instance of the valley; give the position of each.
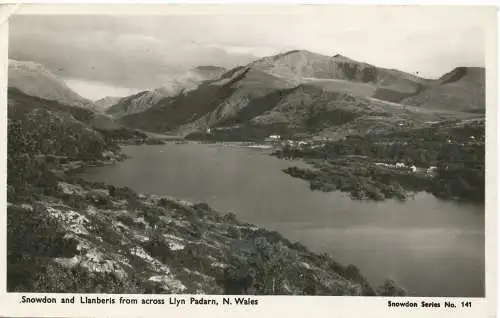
(183, 188)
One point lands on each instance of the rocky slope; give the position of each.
(143, 100)
(145, 244)
(461, 89)
(35, 80)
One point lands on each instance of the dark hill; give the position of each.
(462, 89)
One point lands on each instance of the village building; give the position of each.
(432, 170)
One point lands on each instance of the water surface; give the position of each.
(431, 247)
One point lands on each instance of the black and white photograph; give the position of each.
(340, 153)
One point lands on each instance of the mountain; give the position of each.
(462, 89)
(311, 108)
(293, 92)
(301, 92)
(35, 80)
(143, 100)
(212, 101)
(138, 102)
(104, 103)
(336, 71)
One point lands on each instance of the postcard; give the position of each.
(227, 160)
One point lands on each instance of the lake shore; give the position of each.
(354, 232)
(126, 242)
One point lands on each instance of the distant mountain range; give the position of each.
(141, 101)
(296, 92)
(312, 93)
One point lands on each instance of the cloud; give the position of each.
(96, 90)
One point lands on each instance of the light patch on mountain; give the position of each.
(184, 83)
(35, 80)
(104, 103)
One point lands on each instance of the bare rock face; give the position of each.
(391, 288)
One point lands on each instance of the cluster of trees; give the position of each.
(456, 150)
(360, 182)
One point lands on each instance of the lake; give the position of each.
(430, 247)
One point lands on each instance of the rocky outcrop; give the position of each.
(170, 246)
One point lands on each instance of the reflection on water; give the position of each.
(431, 247)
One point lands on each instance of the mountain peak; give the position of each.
(342, 58)
(303, 53)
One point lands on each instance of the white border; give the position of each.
(271, 305)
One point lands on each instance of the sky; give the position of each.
(102, 56)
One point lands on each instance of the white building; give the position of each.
(431, 170)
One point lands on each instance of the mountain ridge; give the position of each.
(463, 88)
(243, 93)
(36, 80)
(141, 101)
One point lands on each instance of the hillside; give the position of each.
(35, 80)
(462, 89)
(51, 122)
(209, 103)
(143, 100)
